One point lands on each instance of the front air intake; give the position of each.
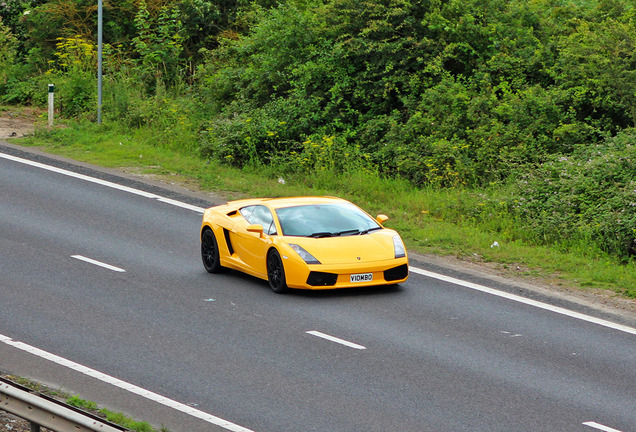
(396, 273)
(322, 279)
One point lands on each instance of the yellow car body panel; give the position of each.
(345, 261)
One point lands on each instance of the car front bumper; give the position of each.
(320, 277)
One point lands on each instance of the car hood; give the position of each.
(377, 246)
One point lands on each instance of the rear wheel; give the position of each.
(210, 252)
(276, 272)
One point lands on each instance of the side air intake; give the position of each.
(226, 234)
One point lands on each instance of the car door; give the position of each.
(251, 247)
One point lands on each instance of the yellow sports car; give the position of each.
(303, 242)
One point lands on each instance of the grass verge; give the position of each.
(432, 221)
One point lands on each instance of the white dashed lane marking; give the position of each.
(98, 263)
(336, 340)
(600, 427)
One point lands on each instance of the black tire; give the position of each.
(210, 252)
(276, 272)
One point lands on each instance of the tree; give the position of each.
(597, 68)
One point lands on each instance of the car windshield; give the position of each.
(325, 220)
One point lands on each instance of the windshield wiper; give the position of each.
(366, 231)
(341, 233)
(321, 234)
(346, 232)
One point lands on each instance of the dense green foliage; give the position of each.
(446, 93)
(537, 96)
(586, 197)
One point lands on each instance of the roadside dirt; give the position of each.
(11, 423)
(15, 123)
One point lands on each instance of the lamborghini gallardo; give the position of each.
(303, 242)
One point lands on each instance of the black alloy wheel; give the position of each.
(276, 272)
(210, 252)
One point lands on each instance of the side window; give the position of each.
(260, 215)
(246, 212)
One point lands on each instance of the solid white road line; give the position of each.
(98, 263)
(181, 204)
(524, 300)
(102, 182)
(336, 340)
(600, 427)
(125, 385)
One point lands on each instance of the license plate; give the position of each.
(365, 277)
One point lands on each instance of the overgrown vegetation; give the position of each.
(523, 111)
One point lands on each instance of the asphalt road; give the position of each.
(425, 356)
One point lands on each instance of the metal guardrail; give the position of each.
(43, 411)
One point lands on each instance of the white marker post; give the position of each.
(51, 103)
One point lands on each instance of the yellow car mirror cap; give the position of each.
(256, 229)
(381, 218)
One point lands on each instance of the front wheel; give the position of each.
(210, 252)
(276, 272)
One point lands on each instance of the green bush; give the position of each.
(75, 94)
(158, 44)
(8, 44)
(589, 196)
(25, 80)
(441, 93)
(22, 89)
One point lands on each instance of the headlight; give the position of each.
(398, 246)
(306, 256)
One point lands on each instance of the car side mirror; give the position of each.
(381, 218)
(256, 229)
